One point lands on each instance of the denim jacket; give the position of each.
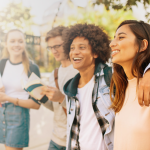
(103, 104)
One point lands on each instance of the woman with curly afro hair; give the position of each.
(90, 122)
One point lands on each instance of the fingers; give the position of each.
(48, 91)
(144, 94)
(140, 95)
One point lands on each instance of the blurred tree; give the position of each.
(15, 15)
(125, 5)
(109, 20)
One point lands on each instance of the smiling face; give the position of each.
(15, 44)
(81, 54)
(57, 48)
(124, 46)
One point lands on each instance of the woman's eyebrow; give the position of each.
(120, 33)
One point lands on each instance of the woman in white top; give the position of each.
(15, 102)
(130, 56)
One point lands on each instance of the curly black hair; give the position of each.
(97, 38)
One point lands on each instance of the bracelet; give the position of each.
(17, 103)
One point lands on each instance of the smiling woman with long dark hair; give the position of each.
(130, 56)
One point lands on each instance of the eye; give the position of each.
(56, 46)
(120, 37)
(82, 47)
(20, 41)
(71, 48)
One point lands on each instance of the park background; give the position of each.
(36, 17)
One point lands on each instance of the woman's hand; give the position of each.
(144, 90)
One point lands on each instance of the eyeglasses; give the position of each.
(55, 47)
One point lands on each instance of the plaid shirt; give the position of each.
(76, 123)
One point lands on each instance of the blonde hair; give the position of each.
(25, 58)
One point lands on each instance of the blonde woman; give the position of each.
(14, 112)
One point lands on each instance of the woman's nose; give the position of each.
(112, 43)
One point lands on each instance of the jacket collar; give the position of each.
(70, 88)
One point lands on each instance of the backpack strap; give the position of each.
(107, 74)
(56, 83)
(2, 65)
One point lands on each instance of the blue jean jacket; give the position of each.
(103, 104)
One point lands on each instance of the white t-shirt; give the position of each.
(90, 136)
(60, 119)
(11, 79)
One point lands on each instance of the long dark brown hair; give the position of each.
(119, 80)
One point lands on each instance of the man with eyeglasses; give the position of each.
(65, 72)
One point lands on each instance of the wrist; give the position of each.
(17, 102)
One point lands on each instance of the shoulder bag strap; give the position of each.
(56, 83)
(2, 65)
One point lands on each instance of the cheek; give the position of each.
(23, 46)
(70, 53)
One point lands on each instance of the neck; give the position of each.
(86, 76)
(65, 63)
(16, 59)
(127, 70)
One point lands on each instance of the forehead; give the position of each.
(80, 40)
(55, 40)
(124, 29)
(15, 35)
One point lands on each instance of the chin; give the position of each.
(114, 60)
(57, 59)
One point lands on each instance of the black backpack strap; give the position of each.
(107, 74)
(2, 65)
(33, 68)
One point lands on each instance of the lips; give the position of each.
(114, 52)
(77, 59)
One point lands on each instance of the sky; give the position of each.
(38, 8)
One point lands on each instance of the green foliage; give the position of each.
(15, 16)
(108, 20)
(127, 5)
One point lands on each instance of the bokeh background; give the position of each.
(36, 17)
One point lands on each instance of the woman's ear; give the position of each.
(95, 56)
(144, 45)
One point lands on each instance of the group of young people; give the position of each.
(94, 108)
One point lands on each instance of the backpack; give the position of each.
(107, 74)
(2, 65)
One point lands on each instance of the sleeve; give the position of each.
(48, 105)
(148, 67)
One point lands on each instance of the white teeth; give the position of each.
(77, 58)
(113, 52)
